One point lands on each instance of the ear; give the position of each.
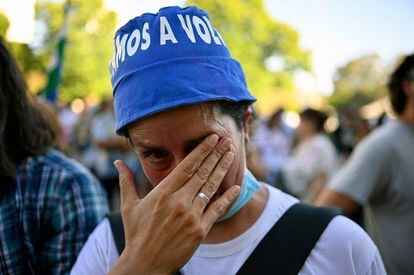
(246, 124)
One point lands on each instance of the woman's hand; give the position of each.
(163, 230)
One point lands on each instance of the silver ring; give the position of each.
(204, 197)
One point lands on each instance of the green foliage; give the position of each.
(248, 30)
(25, 57)
(4, 24)
(88, 49)
(252, 37)
(359, 82)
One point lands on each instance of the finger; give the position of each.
(205, 170)
(128, 189)
(220, 207)
(214, 181)
(186, 169)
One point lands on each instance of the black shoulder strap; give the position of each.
(117, 228)
(287, 245)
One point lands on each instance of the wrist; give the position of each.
(129, 263)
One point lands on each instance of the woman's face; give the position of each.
(163, 140)
(306, 128)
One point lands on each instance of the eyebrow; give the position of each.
(189, 145)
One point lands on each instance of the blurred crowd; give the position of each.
(307, 162)
(299, 161)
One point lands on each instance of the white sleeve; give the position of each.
(98, 254)
(366, 173)
(344, 249)
(377, 266)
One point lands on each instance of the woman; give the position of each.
(48, 203)
(182, 101)
(314, 160)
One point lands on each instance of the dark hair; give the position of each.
(24, 130)
(236, 110)
(275, 116)
(317, 117)
(398, 97)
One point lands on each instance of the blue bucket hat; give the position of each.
(170, 59)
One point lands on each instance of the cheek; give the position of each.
(153, 175)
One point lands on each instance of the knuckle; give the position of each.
(219, 208)
(199, 233)
(122, 181)
(191, 219)
(205, 149)
(217, 153)
(217, 177)
(189, 167)
(203, 172)
(210, 187)
(180, 208)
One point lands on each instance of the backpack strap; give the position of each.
(288, 244)
(117, 228)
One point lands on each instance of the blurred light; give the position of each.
(331, 124)
(292, 119)
(274, 63)
(77, 106)
(21, 16)
(375, 109)
(306, 82)
(92, 26)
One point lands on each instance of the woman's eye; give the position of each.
(155, 155)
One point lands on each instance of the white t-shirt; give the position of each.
(380, 176)
(344, 248)
(312, 158)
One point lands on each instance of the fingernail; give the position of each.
(212, 140)
(225, 144)
(116, 164)
(229, 157)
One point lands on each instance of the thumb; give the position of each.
(128, 189)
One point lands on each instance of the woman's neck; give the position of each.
(408, 115)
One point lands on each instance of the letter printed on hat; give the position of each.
(213, 34)
(188, 28)
(120, 48)
(204, 35)
(135, 38)
(166, 32)
(145, 37)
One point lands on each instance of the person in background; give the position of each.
(380, 177)
(106, 148)
(314, 159)
(183, 103)
(61, 143)
(273, 140)
(363, 129)
(48, 203)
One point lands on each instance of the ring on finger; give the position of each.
(204, 197)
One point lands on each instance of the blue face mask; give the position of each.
(249, 187)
